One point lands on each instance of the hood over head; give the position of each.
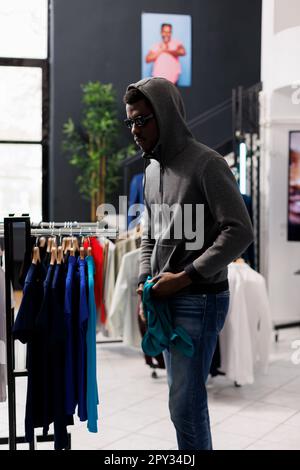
(170, 115)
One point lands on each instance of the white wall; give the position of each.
(280, 64)
(280, 114)
(286, 14)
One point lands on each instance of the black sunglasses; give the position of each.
(139, 121)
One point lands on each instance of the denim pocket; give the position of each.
(188, 311)
(222, 306)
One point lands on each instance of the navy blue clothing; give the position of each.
(26, 331)
(136, 193)
(43, 325)
(26, 262)
(70, 320)
(82, 347)
(57, 336)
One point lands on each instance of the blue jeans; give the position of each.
(203, 317)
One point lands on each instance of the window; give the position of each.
(23, 28)
(24, 117)
(21, 103)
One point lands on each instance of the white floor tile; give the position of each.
(229, 441)
(284, 398)
(268, 412)
(284, 432)
(162, 429)
(83, 440)
(218, 415)
(283, 445)
(246, 392)
(292, 386)
(294, 420)
(139, 442)
(159, 408)
(129, 420)
(244, 426)
(227, 404)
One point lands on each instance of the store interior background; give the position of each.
(234, 43)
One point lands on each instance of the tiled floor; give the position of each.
(134, 410)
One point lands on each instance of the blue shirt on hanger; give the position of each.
(70, 317)
(82, 331)
(57, 339)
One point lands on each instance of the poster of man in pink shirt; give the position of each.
(166, 47)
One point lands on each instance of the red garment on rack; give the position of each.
(98, 255)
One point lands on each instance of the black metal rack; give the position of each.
(9, 224)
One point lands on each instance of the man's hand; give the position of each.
(180, 51)
(167, 284)
(139, 291)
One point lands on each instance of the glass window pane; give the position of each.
(23, 28)
(21, 180)
(20, 103)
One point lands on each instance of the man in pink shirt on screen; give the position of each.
(165, 56)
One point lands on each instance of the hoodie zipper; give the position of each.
(161, 181)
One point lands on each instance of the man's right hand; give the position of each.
(139, 291)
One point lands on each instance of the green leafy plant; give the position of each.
(92, 147)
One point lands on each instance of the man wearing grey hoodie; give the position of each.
(196, 223)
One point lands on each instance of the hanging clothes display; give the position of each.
(245, 340)
(56, 320)
(122, 319)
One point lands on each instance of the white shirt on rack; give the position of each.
(110, 277)
(122, 317)
(246, 337)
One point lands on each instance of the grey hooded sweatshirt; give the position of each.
(185, 173)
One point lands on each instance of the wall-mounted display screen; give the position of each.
(167, 47)
(294, 187)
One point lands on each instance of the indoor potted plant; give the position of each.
(92, 146)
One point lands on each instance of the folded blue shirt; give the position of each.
(160, 333)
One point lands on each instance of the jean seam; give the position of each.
(204, 317)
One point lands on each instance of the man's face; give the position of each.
(145, 137)
(166, 34)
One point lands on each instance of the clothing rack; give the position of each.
(42, 229)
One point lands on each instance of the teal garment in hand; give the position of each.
(160, 333)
